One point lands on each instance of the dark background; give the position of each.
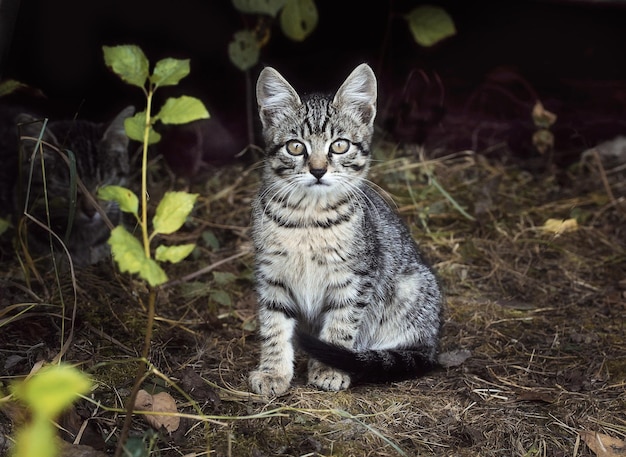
(566, 51)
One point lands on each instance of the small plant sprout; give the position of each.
(132, 256)
(46, 394)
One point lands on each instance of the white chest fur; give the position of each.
(312, 261)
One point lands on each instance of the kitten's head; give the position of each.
(101, 158)
(317, 142)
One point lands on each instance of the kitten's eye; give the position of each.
(339, 146)
(295, 148)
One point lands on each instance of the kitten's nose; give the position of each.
(318, 172)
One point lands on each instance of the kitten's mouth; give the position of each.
(319, 184)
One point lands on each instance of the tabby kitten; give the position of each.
(335, 266)
(101, 152)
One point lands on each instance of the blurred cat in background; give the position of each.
(101, 158)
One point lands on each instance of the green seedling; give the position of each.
(134, 255)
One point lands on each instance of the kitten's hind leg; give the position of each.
(275, 370)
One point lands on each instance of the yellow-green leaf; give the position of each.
(131, 258)
(173, 254)
(128, 62)
(9, 86)
(52, 389)
(298, 19)
(38, 438)
(135, 128)
(182, 110)
(153, 273)
(244, 50)
(430, 24)
(127, 250)
(125, 198)
(172, 211)
(169, 71)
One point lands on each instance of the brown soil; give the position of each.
(540, 309)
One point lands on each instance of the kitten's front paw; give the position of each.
(327, 378)
(268, 384)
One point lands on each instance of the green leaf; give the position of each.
(222, 297)
(173, 254)
(172, 211)
(210, 240)
(168, 72)
(128, 62)
(125, 198)
(244, 51)
(138, 446)
(223, 278)
(135, 128)
(269, 7)
(298, 19)
(430, 24)
(130, 257)
(194, 289)
(182, 110)
(53, 389)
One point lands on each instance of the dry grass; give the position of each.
(541, 312)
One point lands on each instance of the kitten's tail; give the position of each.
(372, 365)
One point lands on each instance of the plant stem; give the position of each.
(140, 376)
(144, 176)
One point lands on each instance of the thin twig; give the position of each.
(204, 270)
(605, 181)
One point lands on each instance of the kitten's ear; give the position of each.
(115, 132)
(31, 126)
(274, 96)
(358, 92)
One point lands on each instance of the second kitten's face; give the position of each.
(317, 144)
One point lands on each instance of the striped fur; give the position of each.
(101, 158)
(336, 268)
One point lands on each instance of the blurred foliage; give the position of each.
(298, 19)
